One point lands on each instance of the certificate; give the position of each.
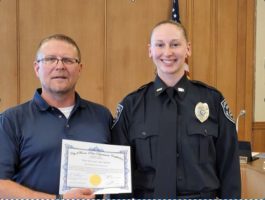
(102, 167)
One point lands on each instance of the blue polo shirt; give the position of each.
(31, 139)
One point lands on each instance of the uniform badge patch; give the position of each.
(118, 114)
(227, 112)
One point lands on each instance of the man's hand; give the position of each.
(79, 193)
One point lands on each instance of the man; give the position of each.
(31, 134)
(182, 135)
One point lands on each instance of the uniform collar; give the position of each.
(181, 87)
(43, 105)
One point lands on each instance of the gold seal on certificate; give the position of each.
(104, 168)
(95, 180)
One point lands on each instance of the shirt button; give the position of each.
(205, 132)
(67, 126)
(60, 116)
(177, 155)
(179, 178)
(143, 133)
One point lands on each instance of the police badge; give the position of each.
(202, 111)
(227, 112)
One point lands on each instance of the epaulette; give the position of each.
(144, 86)
(140, 88)
(196, 82)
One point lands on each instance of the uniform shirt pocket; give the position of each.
(144, 141)
(202, 138)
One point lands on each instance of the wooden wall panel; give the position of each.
(241, 64)
(202, 39)
(227, 50)
(183, 7)
(128, 29)
(250, 66)
(8, 54)
(83, 20)
(258, 137)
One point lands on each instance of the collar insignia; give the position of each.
(181, 89)
(159, 89)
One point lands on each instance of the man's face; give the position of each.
(169, 49)
(59, 78)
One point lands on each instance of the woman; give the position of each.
(182, 135)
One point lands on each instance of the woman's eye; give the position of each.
(175, 45)
(159, 45)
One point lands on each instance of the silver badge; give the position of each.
(202, 111)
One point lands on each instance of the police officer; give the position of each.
(181, 132)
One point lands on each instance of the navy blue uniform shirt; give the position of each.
(31, 135)
(207, 151)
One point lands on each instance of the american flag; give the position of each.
(175, 11)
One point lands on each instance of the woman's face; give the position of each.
(169, 49)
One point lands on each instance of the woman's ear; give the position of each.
(188, 50)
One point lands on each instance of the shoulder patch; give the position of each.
(227, 112)
(118, 114)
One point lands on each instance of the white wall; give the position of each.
(260, 63)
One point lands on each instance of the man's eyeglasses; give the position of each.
(54, 61)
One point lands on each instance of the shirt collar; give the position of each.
(43, 105)
(181, 87)
(160, 86)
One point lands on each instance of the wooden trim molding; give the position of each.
(259, 126)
